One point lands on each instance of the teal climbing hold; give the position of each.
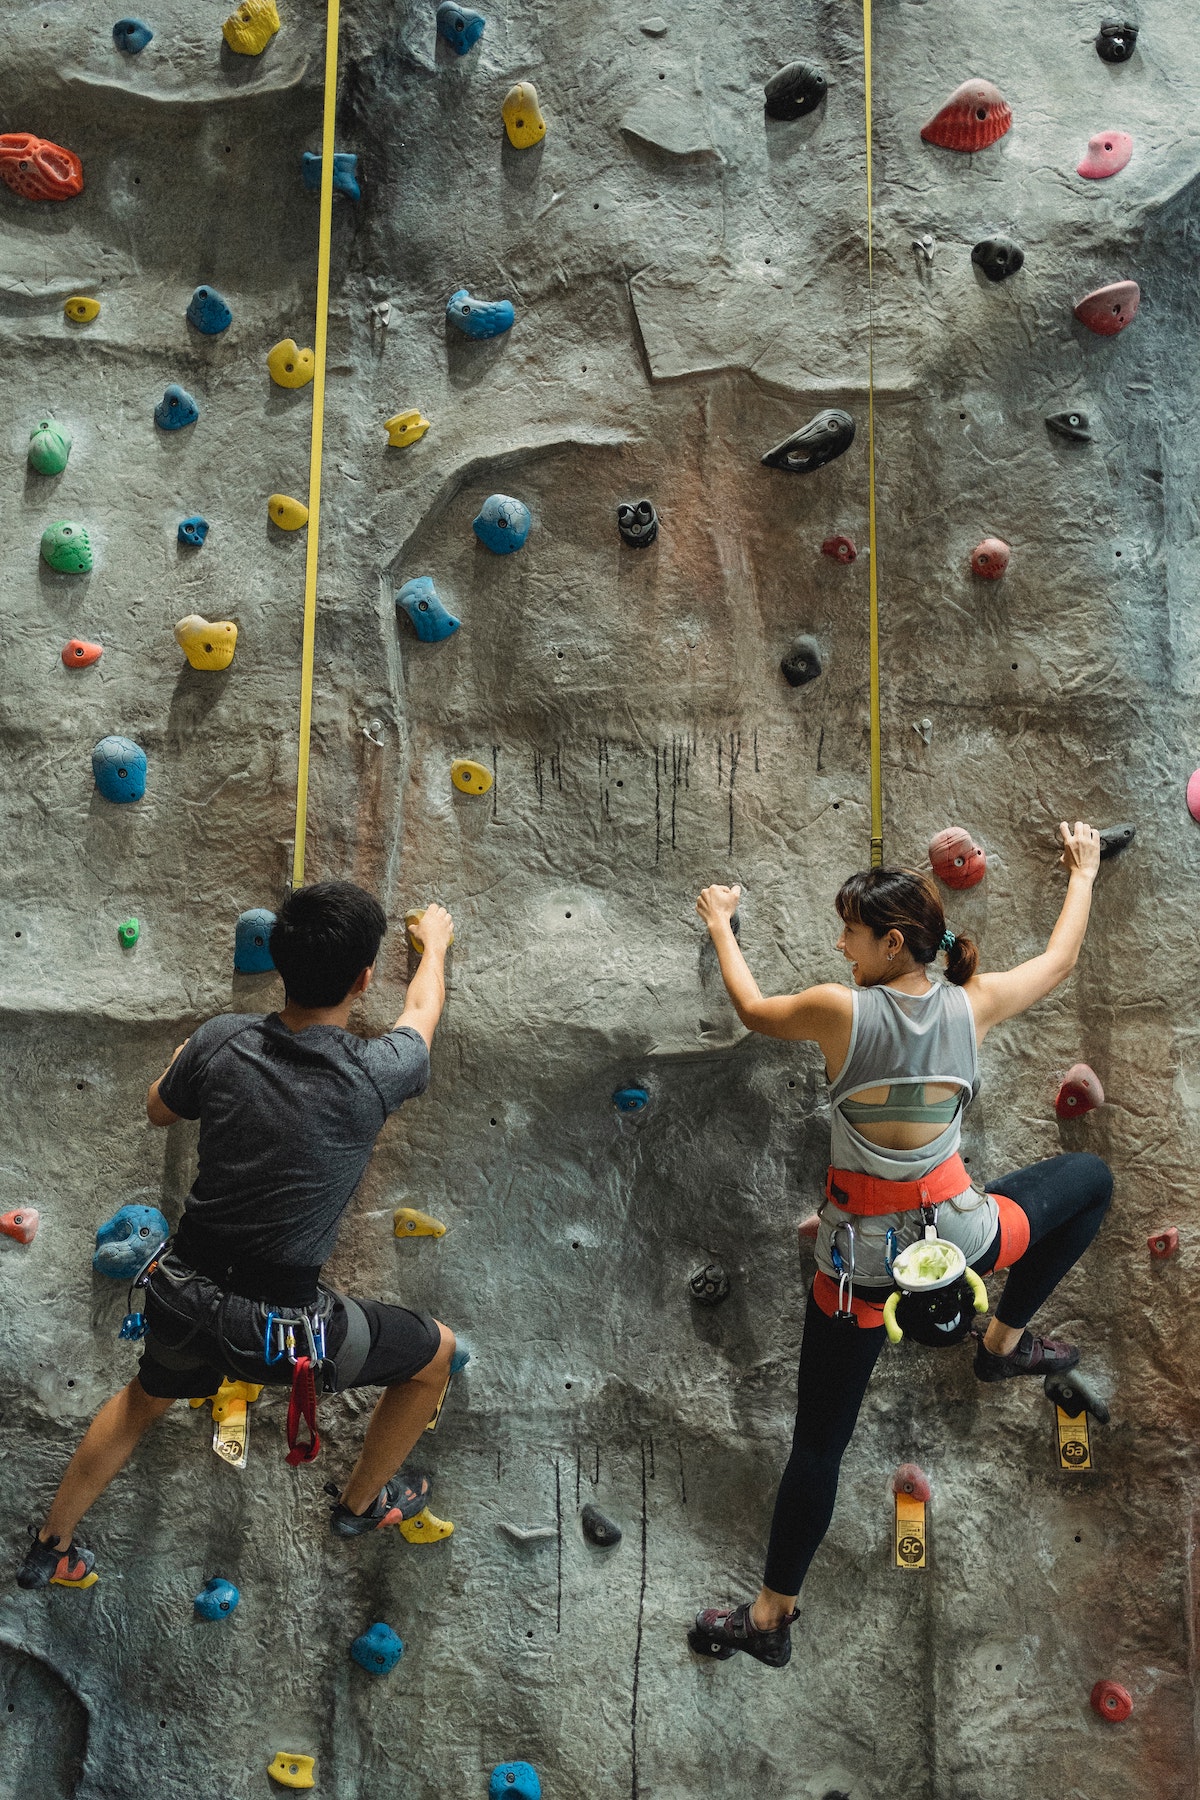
(119, 768)
(193, 530)
(502, 523)
(49, 447)
(209, 312)
(377, 1650)
(419, 599)
(631, 1099)
(460, 1359)
(479, 318)
(514, 1778)
(67, 548)
(459, 26)
(345, 173)
(216, 1600)
(131, 35)
(176, 409)
(126, 1242)
(252, 942)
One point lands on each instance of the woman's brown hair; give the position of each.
(908, 902)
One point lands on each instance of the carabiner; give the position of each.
(845, 1270)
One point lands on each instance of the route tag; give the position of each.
(910, 1532)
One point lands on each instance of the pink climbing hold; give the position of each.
(1111, 1701)
(21, 1225)
(1106, 154)
(956, 858)
(1080, 1093)
(1163, 1244)
(1193, 795)
(975, 115)
(990, 559)
(841, 549)
(910, 1478)
(1110, 309)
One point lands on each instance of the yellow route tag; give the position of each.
(910, 1532)
(1074, 1441)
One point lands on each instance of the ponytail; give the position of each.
(962, 960)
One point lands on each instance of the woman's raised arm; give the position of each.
(1002, 996)
(819, 1015)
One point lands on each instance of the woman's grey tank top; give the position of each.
(895, 1038)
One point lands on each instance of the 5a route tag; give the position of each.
(1074, 1441)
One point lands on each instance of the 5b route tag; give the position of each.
(1074, 1440)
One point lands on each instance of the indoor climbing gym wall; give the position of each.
(581, 297)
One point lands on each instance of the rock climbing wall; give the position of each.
(689, 284)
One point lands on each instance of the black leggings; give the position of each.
(1064, 1199)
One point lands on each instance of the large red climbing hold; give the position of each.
(1193, 794)
(1110, 309)
(956, 858)
(975, 115)
(1112, 1701)
(1163, 1244)
(990, 559)
(841, 549)
(1106, 154)
(37, 169)
(910, 1478)
(1080, 1093)
(21, 1224)
(77, 653)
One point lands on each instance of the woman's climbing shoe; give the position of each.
(45, 1563)
(403, 1498)
(719, 1634)
(1032, 1356)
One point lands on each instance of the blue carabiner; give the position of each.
(272, 1319)
(889, 1248)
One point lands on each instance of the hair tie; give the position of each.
(948, 941)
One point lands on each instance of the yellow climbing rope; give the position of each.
(318, 438)
(873, 560)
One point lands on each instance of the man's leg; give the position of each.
(109, 1442)
(401, 1415)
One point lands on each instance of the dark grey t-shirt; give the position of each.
(287, 1124)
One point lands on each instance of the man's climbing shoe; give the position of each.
(1032, 1356)
(719, 1634)
(403, 1498)
(44, 1563)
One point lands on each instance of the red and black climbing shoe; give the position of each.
(45, 1563)
(403, 1498)
(719, 1634)
(1032, 1356)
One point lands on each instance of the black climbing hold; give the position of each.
(1075, 1395)
(998, 258)
(709, 1285)
(829, 434)
(802, 662)
(796, 90)
(637, 523)
(1116, 42)
(1070, 425)
(1114, 839)
(598, 1529)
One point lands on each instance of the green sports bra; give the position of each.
(905, 1105)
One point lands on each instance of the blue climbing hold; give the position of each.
(519, 1778)
(119, 767)
(125, 1244)
(502, 523)
(479, 318)
(193, 530)
(460, 27)
(216, 1600)
(460, 1359)
(252, 942)
(176, 409)
(378, 1650)
(345, 173)
(131, 35)
(631, 1099)
(430, 620)
(209, 312)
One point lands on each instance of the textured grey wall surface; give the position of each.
(690, 285)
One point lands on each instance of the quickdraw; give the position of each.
(133, 1325)
(280, 1340)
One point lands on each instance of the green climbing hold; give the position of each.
(49, 447)
(67, 548)
(129, 933)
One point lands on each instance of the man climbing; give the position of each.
(289, 1107)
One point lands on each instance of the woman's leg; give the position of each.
(1065, 1199)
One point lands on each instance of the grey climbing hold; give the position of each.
(637, 523)
(1114, 839)
(1074, 1393)
(528, 1534)
(709, 1285)
(1115, 41)
(802, 663)
(826, 436)
(998, 258)
(598, 1529)
(655, 27)
(1070, 425)
(796, 90)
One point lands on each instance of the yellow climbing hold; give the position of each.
(522, 116)
(85, 1581)
(248, 31)
(206, 646)
(287, 513)
(81, 309)
(405, 428)
(408, 1222)
(229, 1391)
(290, 366)
(411, 921)
(426, 1528)
(291, 1771)
(470, 777)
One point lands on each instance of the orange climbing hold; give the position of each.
(1111, 1701)
(1080, 1093)
(1162, 1244)
(990, 559)
(37, 169)
(975, 115)
(21, 1225)
(956, 858)
(77, 653)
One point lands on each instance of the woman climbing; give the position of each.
(900, 1055)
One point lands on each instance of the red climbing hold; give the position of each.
(910, 1478)
(1163, 1244)
(21, 1225)
(1110, 309)
(77, 653)
(990, 559)
(956, 858)
(37, 169)
(975, 115)
(1106, 154)
(1080, 1093)
(840, 548)
(1112, 1701)
(1193, 795)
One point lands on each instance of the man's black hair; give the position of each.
(323, 939)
